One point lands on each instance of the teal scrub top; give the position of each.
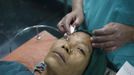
(98, 13)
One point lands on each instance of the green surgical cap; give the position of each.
(97, 63)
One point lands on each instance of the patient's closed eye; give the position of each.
(82, 51)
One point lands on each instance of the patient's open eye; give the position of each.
(82, 51)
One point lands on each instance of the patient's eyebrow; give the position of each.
(82, 51)
(84, 46)
(88, 47)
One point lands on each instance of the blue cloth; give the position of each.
(13, 68)
(101, 12)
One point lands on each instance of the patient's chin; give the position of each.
(52, 64)
(59, 69)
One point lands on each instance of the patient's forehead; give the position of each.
(80, 37)
(77, 36)
(82, 34)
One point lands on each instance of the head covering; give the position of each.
(97, 63)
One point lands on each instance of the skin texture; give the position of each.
(112, 36)
(117, 34)
(75, 52)
(74, 18)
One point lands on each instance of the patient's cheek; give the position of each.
(77, 58)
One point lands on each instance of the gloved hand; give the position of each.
(112, 36)
(74, 18)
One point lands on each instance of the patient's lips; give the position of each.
(60, 56)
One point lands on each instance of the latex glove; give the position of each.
(74, 18)
(112, 36)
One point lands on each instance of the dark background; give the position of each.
(16, 15)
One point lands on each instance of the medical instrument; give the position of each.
(72, 30)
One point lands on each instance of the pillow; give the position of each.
(32, 51)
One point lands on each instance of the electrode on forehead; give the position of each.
(66, 36)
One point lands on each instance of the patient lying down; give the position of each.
(66, 57)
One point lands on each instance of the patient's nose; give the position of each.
(66, 48)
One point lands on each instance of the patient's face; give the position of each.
(70, 57)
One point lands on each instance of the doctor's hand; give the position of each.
(112, 36)
(74, 18)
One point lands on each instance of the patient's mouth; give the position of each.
(61, 55)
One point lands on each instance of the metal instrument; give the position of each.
(72, 30)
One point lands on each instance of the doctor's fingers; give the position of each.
(61, 25)
(106, 30)
(109, 49)
(77, 22)
(65, 23)
(103, 31)
(98, 39)
(104, 45)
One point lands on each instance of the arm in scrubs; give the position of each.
(112, 25)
